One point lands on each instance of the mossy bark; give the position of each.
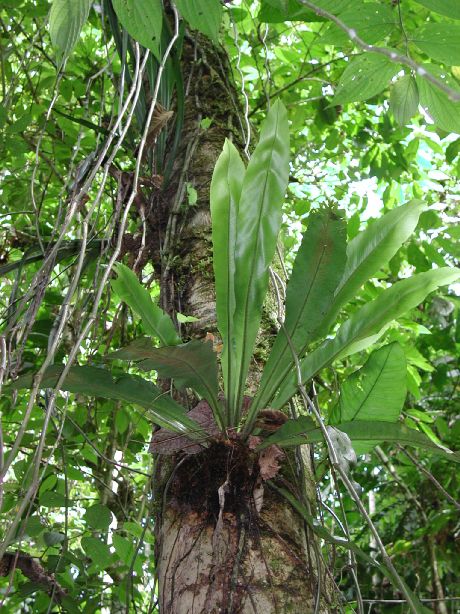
(226, 542)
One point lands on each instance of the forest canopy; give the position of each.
(229, 285)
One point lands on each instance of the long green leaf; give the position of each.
(258, 224)
(66, 21)
(193, 364)
(94, 381)
(226, 185)
(377, 391)
(368, 324)
(318, 269)
(156, 322)
(299, 431)
(143, 20)
(371, 249)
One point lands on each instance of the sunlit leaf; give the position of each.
(440, 41)
(226, 185)
(156, 322)
(258, 224)
(368, 323)
(365, 77)
(66, 20)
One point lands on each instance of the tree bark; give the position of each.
(226, 542)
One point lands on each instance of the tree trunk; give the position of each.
(226, 542)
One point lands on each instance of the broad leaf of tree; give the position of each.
(226, 185)
(444, 112)
(440, 41)
(376, 391)
(193, 364)
(98, 551)
(371, 21)
(202, 15)
(301, 430)
(317, 271)
(365, 77)
(450, 8)
(66, 21)
(404, 99)
(368, 324)
(143, 20)
(94, 381)
(258, 224)
(98, 516)
(156, 322)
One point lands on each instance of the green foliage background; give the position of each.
(368, 133)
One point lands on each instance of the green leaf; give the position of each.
(126, 551)
(98, 516)
(324, 534)
(364, 77)
(368, 323)
(93, 381)
(66, 21)
(156, 322)
(440, 41)
(450, 8)
(226, 185)
(377, 391)
(143, 20)
(52, 538)
(372, 249)
(371, 21)
(444, 112)
(318, 269)
(258, 224)
(202, 15)
(299, 431)
(404, 99)
(98, 551)
(193, 364)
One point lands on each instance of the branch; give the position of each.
(32, 570)
(392, 55)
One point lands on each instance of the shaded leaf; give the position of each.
(404, 99)
(368, 323)
(93, 381)
(202, 15)
(299, 431)
(193, 364)
(52, 538)
(98, 551)
(98, 516)
(143, 20)
(156, 322)
(317, 271)
(377, 391)
(444, 112)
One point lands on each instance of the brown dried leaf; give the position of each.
(269, 462)
(167, 442)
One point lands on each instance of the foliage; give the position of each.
(367, 227)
